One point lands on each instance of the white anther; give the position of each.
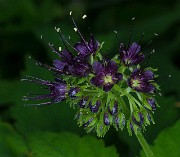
(70, 13)
(169, 75)
(133, 18)
(60, 48)
(153, 51)
(41, 36)
(58, 30)
(155, 34)
(75, 29)
(84, 16)
(29, 57)
(115, 32)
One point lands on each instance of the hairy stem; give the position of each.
(144, 145)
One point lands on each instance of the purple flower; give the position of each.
(86, 49)
(57, 89)
(152, 103)
(106, 75)
(140, 119)
(114, 109)
(141, 81)
(82, 103)
(132, 55)
(71, 65)
(94, 108)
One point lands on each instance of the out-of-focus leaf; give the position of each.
(167, 143)
(11, 143)
(69, 145)
(164, 116)
(49, 144)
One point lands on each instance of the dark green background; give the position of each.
(22, 22)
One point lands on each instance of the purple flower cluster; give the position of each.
(98, 86)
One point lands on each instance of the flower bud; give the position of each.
(72, 92)
(106, 119)
(82, 103)
(114, 109)
(88, 122)
(94, 108)
(152, 103)
(138, 119)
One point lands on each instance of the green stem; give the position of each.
(144, 145)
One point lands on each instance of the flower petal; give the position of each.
(98, 68)
(82, 48)
(93, 44)
(135, 48)
(59, 64)
(148, 74)
(111, 67)
(107, 87)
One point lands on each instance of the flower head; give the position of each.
(141, 81)
(81, 68)
(131, 55)
(106, 75)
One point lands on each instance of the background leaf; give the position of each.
(167, 143)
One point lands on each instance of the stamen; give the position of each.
(70, 13)
(131, 30)
(149, 57)
(80, 34)
(117, 40)
(60, 49)
(156, 35)
(39, 105)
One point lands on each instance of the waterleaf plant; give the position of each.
(114, 92)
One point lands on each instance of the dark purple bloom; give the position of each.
(106, 119)
(71, 65)
(114, 109)
(86, 49)
(141, 81)
(152, 103)
(72, 92)
(131, 55)
(106, 75)
(57, 89)
(138, 121)
(94, 108)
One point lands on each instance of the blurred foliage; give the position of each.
(22, 22)
(167, 142)
(51, 144)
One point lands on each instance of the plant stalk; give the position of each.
(144, 145)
